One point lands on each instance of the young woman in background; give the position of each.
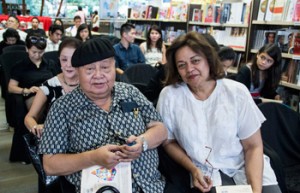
(154, 49)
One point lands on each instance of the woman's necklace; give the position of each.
(70, 85)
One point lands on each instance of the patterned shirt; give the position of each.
(51, 46)
(75, 124)
(126, 57)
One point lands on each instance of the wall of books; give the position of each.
(278, 21)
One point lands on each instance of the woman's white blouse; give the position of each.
(219, 122)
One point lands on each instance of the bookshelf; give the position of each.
(282, 25)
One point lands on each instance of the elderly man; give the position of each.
(96, 122)
(13, 22)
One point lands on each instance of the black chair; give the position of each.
(53, 55)
(15, 108)
(138, 75)
(281, 134)
(14, 48)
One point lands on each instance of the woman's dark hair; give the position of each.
(62, 23)
(82, 27)
(37, 40)
(70, 42)
(159, 42)
(11, 33)
(272, 74)
(199, 44)
(96, 12)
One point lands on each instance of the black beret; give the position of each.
(91, 51)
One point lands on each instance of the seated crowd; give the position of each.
(83, 116)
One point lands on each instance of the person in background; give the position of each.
(10, 37)
(35, 27)
(217, 139)
(54, 39)
(72, 31)
(84, 32)
(227, 57)
(58, 21)
(154, 49)
(78, 129)
(127, 53)
(53, 88)
(81, 14)
(28, 74)
(262, 76)
(13, 22)
(96, 21)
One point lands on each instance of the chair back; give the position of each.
(281, 134)
(8, 61)
(52, 55)
(14, 48)
(138, 75)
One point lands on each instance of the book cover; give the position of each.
(163, 13)
(278, 10)
(178, 11)
(218, 13)
(195, 12)
(269, 37)
(290, 10)
(296, 44)
(262, 10)
(209, 13)
(225, 14)
(151, 12)
(236, 15)
(296, 15)
(269, 11)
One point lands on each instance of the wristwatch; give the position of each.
(145, 143)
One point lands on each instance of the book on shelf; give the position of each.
(218, 13)
(278, 9)
(163, 12)
(195, 12)
(269, 37)
(296, 50)
(178, 11)
(209, 13)
(199, 29)
(234, 37)
(289, 9)
(269, 10)
(236, 16)
(296, 15)
(291, 74)
(225, 14)
(137, 10)
(151, 12)
(262, 10)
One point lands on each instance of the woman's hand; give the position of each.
(203, 183)
(37, 130)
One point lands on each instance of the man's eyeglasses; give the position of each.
(34, 39)
(209, 166)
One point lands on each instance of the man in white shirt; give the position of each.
(81, 13)
(72, 31)
(54, 39)
(13, 22)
